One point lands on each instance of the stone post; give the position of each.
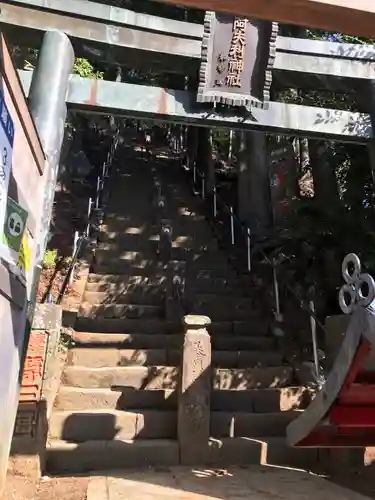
(193, 426)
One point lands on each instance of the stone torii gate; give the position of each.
(345, 16)
(123, 37)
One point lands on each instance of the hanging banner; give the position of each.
(6, 154)
(237, 60)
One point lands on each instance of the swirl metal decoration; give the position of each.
(359, 288)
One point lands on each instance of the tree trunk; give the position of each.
(325, 182)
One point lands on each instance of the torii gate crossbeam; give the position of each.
(354, 17)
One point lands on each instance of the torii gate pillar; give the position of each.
(254, 197)
(47, 101)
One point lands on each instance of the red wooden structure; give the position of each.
(342, 414)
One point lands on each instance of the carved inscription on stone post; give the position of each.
(195, 392)
(237, 60)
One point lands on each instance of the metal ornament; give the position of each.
(359, 288)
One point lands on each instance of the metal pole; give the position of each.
(232, 224)
(203, 188)
(194, 173)
(47, 102)
(75, 243)
(277, 292)
(314, 339)
(97, 192)
(230, 152)
(215, 202)
(248, 250)
(88, 217)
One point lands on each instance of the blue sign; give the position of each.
(6, 153)
(6, 120)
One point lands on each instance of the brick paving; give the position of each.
(252, 483)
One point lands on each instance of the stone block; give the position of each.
(193, 426)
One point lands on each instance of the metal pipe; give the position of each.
(194, 173)
(230, 152)
(215, 201)
(248, 250)
(75, 244)
(232, 224)
(97, 192)
(314, 340)
(203, 187)
(277, 292)
(89, 217)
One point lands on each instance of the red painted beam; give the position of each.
(320, 439)
(353, 416)
(358, 394)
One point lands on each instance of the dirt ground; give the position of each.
(67, 488)
(75, 488)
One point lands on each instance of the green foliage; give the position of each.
(49, 259)
(85, 69)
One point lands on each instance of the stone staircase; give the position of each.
(117, 403)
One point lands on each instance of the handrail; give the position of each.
(94, 214)
(273, 263)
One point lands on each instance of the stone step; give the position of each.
(149, 228)
(224, 308)
(189, 224)
(109, 424)
(213, 259)
(138, 243)
(260, 400)
(149, 296)
(253, 378)
(117, 378)
(128, 398)
(254, 328)
(64, 457)
(119, 311)
(140, 377)
(260, 451)
(113, 283)
(209, 299)
(242, 424)
(154, 268)
(171, 341)
(127, 340)
(137, 239)
(102, 358)
(125, 325)
(110, 357)
(245, 359)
